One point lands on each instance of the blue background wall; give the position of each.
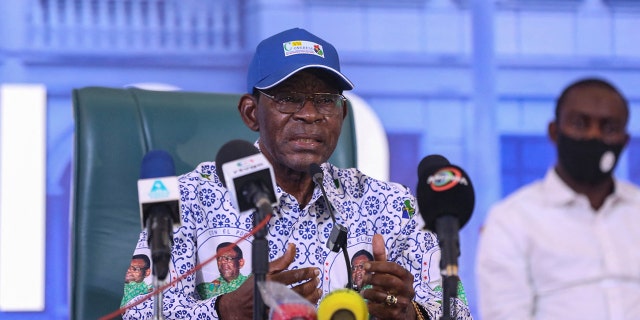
(472, 80)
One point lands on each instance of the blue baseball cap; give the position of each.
(281, 55)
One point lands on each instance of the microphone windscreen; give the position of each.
(344, 304)
(431, 163)
(233, 150)
(157, 163)
(445, 190)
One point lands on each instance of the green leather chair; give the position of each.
(114, 129)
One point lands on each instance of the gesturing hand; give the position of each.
(238, 304)
(306, 280)
(392, 286)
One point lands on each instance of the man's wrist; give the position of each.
(421, 313)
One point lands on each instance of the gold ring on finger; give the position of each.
(391, 300)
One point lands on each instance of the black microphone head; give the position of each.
(445, 190)
(233, 150)
(157, 163)
(316, 172)
(431, 163)
(247, 174)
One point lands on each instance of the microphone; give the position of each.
(445, 198)
(248, 176)
(338, 236)
(158, 197)
(285, 304)
(343, 304)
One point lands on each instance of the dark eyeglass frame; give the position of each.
(227, 259)
(137, 269)
(288, 107)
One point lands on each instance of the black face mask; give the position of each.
(588, 161)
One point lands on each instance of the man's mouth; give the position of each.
(307, 140)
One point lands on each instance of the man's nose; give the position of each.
(309, 111)
(594, 131)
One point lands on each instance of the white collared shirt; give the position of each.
(544, 253)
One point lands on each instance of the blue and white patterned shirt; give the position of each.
(365, 206)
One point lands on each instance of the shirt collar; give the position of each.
(560, 193)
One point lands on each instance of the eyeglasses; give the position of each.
(291, 102)
(226, 259)
(136, 269)
(358, 267)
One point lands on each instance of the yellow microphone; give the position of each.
(343, 304)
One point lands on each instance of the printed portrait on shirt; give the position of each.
(357, 268)
(227, 271)
(137, 280)
(336, 275)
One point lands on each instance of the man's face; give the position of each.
(594, 113)
(590, 133)
(295, 141)
(358, 269)
(229, 265)
(137, 271)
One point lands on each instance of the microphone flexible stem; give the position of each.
(318, 180)
(260, 256)
(348, 262)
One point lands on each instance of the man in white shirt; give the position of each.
(566, 247)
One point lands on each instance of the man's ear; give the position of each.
(248, 108)
(241, 263)
(345, 110)
(552, 131)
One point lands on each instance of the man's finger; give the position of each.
(283, 262)
(291, 277)
(379, 251)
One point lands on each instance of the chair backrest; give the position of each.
(114, 129)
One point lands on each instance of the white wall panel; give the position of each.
(22, 197)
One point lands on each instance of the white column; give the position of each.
(22, 197)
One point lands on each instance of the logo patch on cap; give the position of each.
(302, 47)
